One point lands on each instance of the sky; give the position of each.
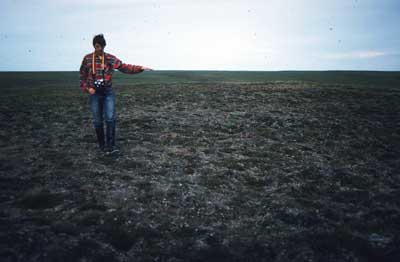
(259, 35)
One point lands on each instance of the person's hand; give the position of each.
(92, 91)
(144, 68)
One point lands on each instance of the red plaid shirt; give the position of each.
(111, 62)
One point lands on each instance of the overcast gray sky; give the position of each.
(203, 35)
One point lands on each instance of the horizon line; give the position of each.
(211, 70)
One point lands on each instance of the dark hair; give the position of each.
(99, 39)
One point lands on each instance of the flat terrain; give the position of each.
(215, 166)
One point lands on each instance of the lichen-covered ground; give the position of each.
(209, 171)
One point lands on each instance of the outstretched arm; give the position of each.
(129, 69)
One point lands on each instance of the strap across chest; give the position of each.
(94, 72)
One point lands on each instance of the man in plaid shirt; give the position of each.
(96, 79)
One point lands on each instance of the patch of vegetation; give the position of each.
(215, 166)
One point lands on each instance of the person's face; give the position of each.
(98, 49)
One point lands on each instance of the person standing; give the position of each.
(96, 79)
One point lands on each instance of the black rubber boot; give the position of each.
(110, 138)
(100, 138)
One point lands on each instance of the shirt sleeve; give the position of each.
(84, 70)
(127, 68)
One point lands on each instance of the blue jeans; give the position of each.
(103, 105)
